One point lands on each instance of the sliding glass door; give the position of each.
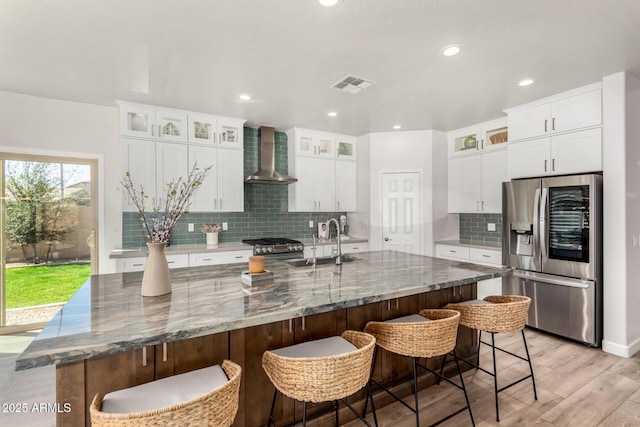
(49, 236)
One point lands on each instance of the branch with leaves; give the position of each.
(161, 223)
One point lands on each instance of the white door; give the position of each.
(401, 224)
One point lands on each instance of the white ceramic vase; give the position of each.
(156, 279)
(212, 238)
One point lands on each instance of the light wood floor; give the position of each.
(577, 386)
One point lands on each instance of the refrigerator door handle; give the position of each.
(536, 229)
(543, 224)
(554, 280)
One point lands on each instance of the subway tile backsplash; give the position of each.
(265, 208)
(473, 229)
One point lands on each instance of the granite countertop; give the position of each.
(181, 249)
(487, 245)
(108, 315)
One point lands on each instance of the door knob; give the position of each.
(386, 239)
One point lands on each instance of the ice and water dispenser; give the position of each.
(521, 238)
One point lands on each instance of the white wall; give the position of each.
(621, 213)
(32, 125)
(415, 151)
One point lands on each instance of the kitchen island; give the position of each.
(108, 337)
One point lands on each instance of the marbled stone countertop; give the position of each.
(108, 315)
(181, 249)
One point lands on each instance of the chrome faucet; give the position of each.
(339, 257)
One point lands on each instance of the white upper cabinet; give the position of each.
(213, 130)
(346, 187)
(324, 164)
(223, 187)
(172, 125)
(578, 109)
(346, 147)
(137, 121)
(558, 135)
(138, 159)
(313, 143)
(477, 167)
(481, 137)
(171, 164)
(568, 153)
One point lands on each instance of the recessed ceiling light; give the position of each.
(332, 114)
(397, 127)
(329, 3)
(450, 50)
(525, 82)
(245, 97)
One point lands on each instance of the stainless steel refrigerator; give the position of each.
(552, 238)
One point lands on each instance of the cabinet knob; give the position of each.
(386, 239)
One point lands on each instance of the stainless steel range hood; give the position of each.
(267, 157)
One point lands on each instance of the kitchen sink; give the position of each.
(319, 261)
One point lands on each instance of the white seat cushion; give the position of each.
(474, 301)
(331, 346)
(165, 392)
(409, 318)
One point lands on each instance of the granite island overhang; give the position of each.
(108, 315)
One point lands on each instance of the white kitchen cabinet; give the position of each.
(346, 186)
(578, 109)
(478, 138)
(483, 256)
(215, 130)
(171, 164)
(218, 258)
(475, 182)
(573, 152)
(152, 165)
(346, 148)
(128, 265)
(223, 187)
(146, 121)
(312, 143)
(327, 176)
(315, 190)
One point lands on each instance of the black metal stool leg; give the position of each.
(444, 360)
(273, 404)
(495, 375)
(533, 380)
(373, 408)
(337, 422)
(304, 414)
(369, 393)
(478, 350)
(415, 389)
(464, 389)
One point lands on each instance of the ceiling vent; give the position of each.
(352, 84)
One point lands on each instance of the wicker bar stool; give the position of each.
(431, 333)
(207, 396)
(497, 314)
(325, 370)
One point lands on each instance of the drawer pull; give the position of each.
(239, 257)
(487, 256)
(137, 265)
(164, 351)
(144, 356)
(453, 252)
(355, 248)
(206, 259)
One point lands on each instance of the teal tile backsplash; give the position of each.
(265, 208)
(473, 229)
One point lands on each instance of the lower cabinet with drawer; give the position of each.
(127, 265)
(488, 257)
(217, 258)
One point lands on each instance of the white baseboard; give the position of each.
(621, 350)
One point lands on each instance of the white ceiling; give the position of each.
(201, 54)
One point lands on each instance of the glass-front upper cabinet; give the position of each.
(137, 121)
(481, 137)
(172, 125)
(230, 132)
(314, 143)
(346, 147)
(202, 128)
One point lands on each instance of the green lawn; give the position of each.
(47, 284)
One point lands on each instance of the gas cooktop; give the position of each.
(276, 246)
